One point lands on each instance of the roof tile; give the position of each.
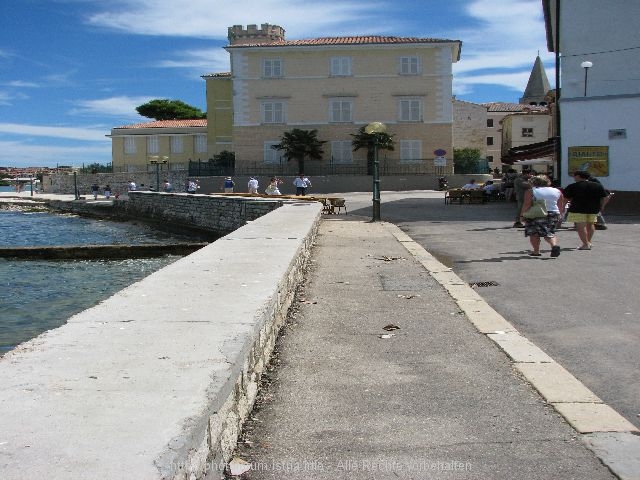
(353, 40)
(201, 122)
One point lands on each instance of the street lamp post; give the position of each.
(155, 160)
(586, 65)
(375, 128)
(75, 185)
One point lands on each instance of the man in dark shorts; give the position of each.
(587, 199)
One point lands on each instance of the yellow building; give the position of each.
(335, 85)
(219, 112)
(137, 147)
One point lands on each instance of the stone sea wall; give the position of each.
(156, 381)
(213, 213)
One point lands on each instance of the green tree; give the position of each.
(366, 140)
(466, 160)
(225, 159)
(299, 144)
(164, 109)
(97, 168)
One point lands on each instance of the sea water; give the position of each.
(40, 295)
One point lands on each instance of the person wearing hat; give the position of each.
(228, 185)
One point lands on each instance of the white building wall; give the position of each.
(606, 34)
(589, 129)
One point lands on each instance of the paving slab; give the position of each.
(619, 451)
(556, 384)
(594, 417)
(519, 348)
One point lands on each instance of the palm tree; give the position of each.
(366, 140)
(299, 144)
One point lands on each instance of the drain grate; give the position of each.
(490, 283)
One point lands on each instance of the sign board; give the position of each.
(440, 153)
(593, 159)
(440, 162)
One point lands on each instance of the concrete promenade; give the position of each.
(390, 366)
(393, 367)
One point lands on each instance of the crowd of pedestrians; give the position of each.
(580, 203)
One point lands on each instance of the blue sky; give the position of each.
(70, 70)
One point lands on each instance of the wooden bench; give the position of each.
(464, 196)
(474, 196)
(453, 196)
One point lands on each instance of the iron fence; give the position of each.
(314, 168)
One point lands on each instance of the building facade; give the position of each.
(336, 86)
(525, 128)
(497, 113)
(219, 112)
(599, 101)
(171, 143)
(470, 126)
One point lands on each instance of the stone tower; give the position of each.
(237, 35)
(537, 87)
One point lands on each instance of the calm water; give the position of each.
(40, 295)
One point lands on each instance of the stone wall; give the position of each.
(213, 213)
(216, 214)
(156, 381)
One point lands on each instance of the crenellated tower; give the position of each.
(267, 33)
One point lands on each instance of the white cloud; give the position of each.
(22, 84)
(72, 133)
(211, 18)
(502, 47)
(122, 106)
(5, 98)
(515, 81)
(205, 60)
(506, 24)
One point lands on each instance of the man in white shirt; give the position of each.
(302, 183)
(253, 185)
(472, 185)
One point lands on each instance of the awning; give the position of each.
(534, 161)
(531, 151)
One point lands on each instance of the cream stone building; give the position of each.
(170, 143)
(525, 128)
(335, 85)
(497, 114)
(470, 126)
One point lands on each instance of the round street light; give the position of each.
(375, 128)
(157, 160)
(586, 65)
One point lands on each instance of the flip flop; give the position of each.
(535, 254)
(584, 248)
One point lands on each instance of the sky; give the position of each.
(70, 70)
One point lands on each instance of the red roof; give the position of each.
(200, 122)
(355, 40)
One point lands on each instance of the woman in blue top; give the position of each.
(545, 227)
